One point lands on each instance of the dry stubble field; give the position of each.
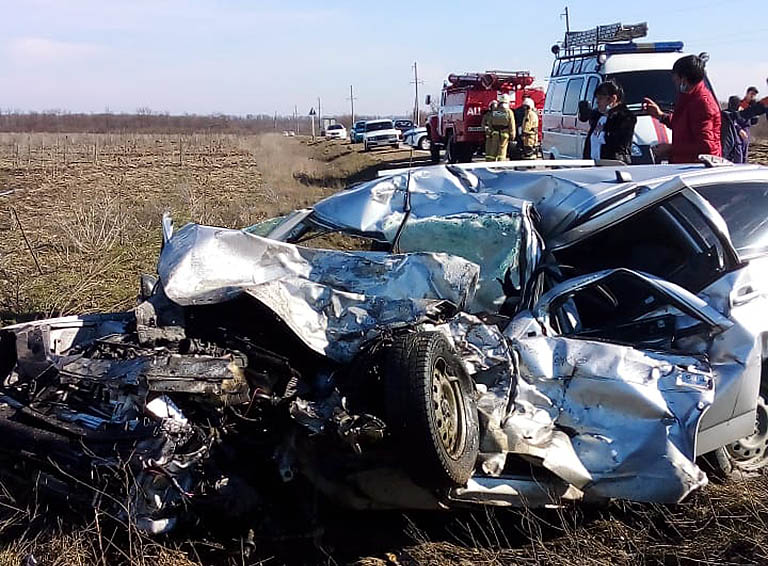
(79, 221)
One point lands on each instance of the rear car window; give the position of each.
(743, 206)
(572, 96)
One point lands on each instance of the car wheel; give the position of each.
(748, 454)
(424, 144)
(396, 146)
(365, 147)
(431, 409)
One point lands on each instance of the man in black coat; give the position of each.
(611, 125)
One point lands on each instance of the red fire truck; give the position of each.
(457, 125)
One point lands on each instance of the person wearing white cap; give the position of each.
(529, 135)
(502, 124)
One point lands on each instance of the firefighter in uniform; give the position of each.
(502, 122)
(530, 130)
(486, 123)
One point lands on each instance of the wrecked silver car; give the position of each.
(500, 336)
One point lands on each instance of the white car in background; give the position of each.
(380, 133)
(417, 137)
(336, 132)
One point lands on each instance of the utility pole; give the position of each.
(352, 102)
(416, 82)
(319, 114)
(296, 118)
(567, 16)
(312, 117)
(275, 123)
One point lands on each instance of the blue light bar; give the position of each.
(657, 47)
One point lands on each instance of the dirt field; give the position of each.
(80, 215)
(80, 220)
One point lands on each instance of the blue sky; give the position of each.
(240, 57)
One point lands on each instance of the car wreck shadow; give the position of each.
(351, 537)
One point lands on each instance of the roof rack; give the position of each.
(492, 79)
(591, 40)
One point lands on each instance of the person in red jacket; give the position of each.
(696, 120)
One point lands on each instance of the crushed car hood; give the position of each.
(334, 301)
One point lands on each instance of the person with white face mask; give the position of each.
(611, 125)
(696, 120)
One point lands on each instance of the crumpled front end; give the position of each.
(255, 363)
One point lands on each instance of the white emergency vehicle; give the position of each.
(587, 58)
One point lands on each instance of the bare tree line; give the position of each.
(146, 121)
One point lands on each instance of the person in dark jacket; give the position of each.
(611, 125)
(696, 120)
(734, 133)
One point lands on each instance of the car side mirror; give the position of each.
(428, 99)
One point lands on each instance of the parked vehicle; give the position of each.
(457, 126)
(524, 338)
(380, 133)
(418, 138)
(336, 132)
(587, 58)
(357, 132)
(403, 125)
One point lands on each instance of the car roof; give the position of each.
(562, 196)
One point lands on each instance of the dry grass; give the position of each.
(760, 131)
(92, 223)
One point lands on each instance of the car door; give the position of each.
(553, 136)
(692, 249)
(573, 136)
(601, 360)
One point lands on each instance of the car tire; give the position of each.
(747, 455)
(365, 147)
(424, 144)
(431, 410)
(395, 146)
